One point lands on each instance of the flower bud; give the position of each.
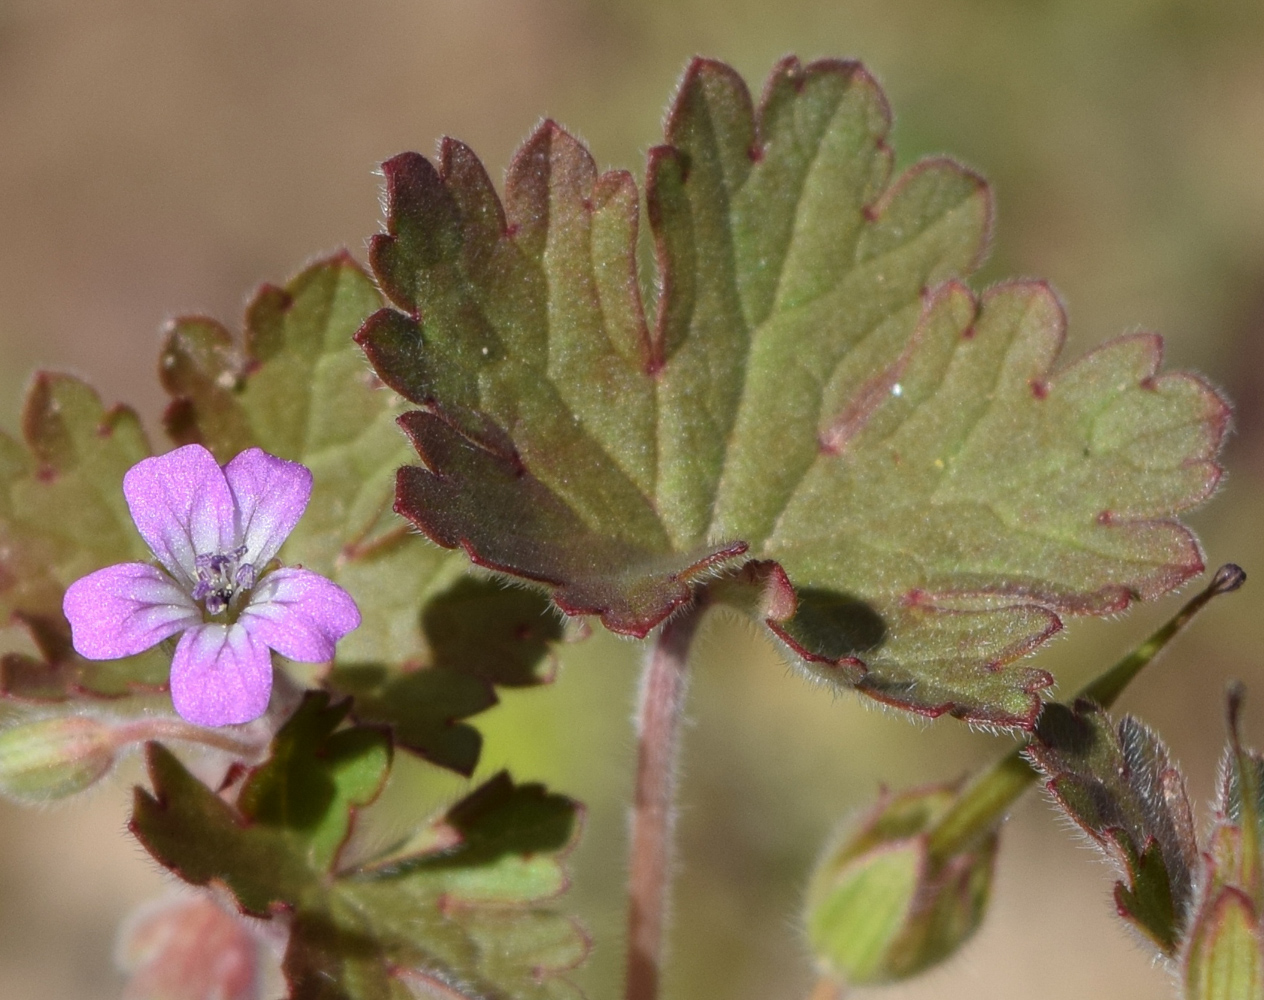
(1222, 956)
(190, 947)
(882, 906)
(1223, 960)
(55, 757)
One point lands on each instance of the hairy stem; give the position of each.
(986, 800)
(143, 730)
(659, 716)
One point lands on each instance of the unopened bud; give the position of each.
(1223, 958)
(1223, 953)
(52, 758)
(882, 907)
(184, 947)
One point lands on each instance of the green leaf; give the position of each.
(62, 515)
(480, 635)
(1118, 785)
(465, 912)
(816, 390)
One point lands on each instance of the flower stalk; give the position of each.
(144, 730)
(950, 846)
(986, 800)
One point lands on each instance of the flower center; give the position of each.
(221, 576)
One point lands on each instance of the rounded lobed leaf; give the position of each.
(818, 389)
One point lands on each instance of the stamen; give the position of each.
(220, 578)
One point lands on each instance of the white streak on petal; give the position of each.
(125, 609)
(300, 614)
(271, 495)
(220, 675)
(182, 507)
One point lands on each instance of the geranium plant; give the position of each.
(780, 397)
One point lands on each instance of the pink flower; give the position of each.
(215, 531)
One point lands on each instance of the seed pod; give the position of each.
(882, 906)
(55, 757)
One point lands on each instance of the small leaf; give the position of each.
(815, 389)
(503, 634)
(481, 635)
(1117, 784)
(316, 778)
(62, 515)
(466, 914)
(497, 845)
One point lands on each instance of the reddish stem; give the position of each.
(658, 742)
(142, 730)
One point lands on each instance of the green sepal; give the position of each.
(43, 759)
(881, 907)
(1224, 960)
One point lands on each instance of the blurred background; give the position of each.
(160, 158)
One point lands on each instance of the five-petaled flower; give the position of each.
(216, 532)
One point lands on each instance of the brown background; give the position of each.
(160, 157)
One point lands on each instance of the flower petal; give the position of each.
(125, 609)
(300, 614)
(182, 507)
(220, 675)
(271, 496)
